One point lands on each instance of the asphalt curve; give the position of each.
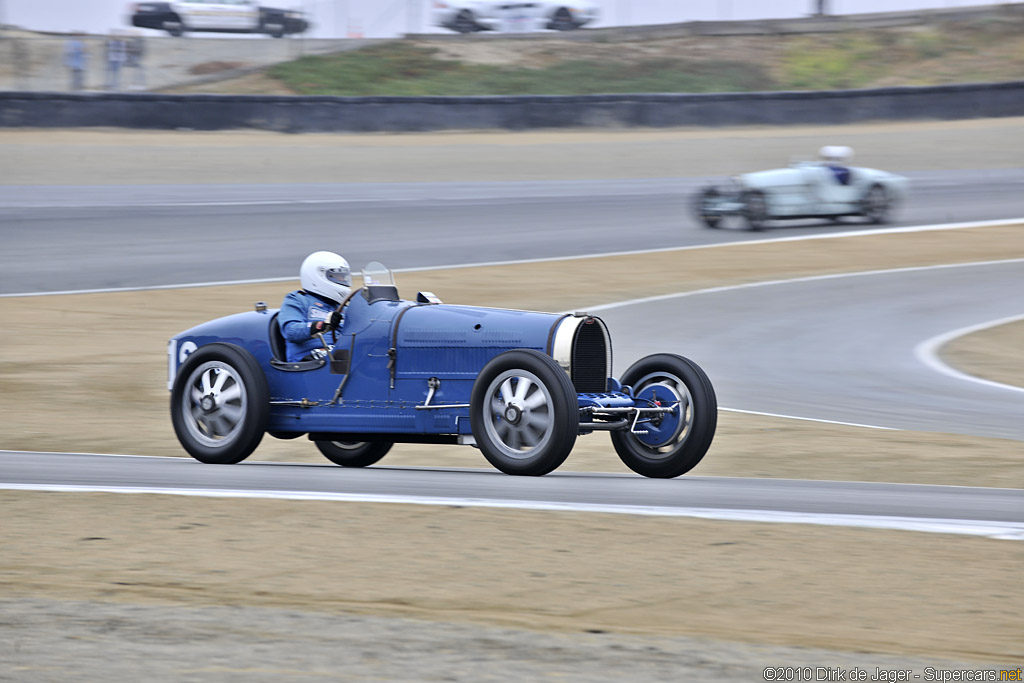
(840, 348)
(132, 236)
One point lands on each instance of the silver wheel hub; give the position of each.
(513, 414)
(676, 392)
(518, 414)
(214, 404)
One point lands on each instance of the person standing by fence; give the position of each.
(76, 59)
(135, 52)
(117, 53)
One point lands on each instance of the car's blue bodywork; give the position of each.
(397, 349)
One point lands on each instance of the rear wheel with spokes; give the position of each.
(465, 22)
(220, 404)
(563, 20)
(523, 413)
(706, 205)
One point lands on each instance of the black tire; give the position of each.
(223, 420)
(755, 209)
(876, 205)
(175, 28)
(562, 21)
(524, 428)
(690, 441)
(354, 453)
(286, 436)
(465, 22)
(707, 197)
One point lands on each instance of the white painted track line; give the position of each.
(928, 352)
(989, 529)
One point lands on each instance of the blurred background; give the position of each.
(96, 46)
(391, 18)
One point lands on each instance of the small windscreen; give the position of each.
(376, 273)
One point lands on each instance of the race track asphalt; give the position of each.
(840, 348)
(132, 236)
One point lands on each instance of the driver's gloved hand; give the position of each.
(325, 325)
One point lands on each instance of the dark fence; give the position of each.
(371, 114)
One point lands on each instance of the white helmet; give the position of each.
(327, 274)
(837, 153)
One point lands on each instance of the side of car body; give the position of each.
(804, 190)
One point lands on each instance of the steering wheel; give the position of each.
(348, 298)
(342, 305)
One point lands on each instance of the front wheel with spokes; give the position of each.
(670, 444)
(523, 413)
(755, 209)
(876, 205)
(220, 404)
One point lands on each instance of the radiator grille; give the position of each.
(590, 357)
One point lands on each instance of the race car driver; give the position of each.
(305, 313)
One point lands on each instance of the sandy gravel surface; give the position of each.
(788, 585)
(995, 354)
(114, 642)
(55, 157)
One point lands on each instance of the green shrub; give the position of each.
(401, 69)
(851, 61)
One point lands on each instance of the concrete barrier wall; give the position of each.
(373, 114)
(35, 61)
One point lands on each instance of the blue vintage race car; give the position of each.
(519, 385)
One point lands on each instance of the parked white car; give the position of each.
(467, 16)
(828, 188)
(218, 16)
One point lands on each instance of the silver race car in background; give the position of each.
(827, 188)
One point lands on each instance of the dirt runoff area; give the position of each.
(995, 354)
(132, 157)
(113, 586)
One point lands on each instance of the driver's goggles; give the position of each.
(339, 276)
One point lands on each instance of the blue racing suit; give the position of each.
(842, 173)
(298, 312)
